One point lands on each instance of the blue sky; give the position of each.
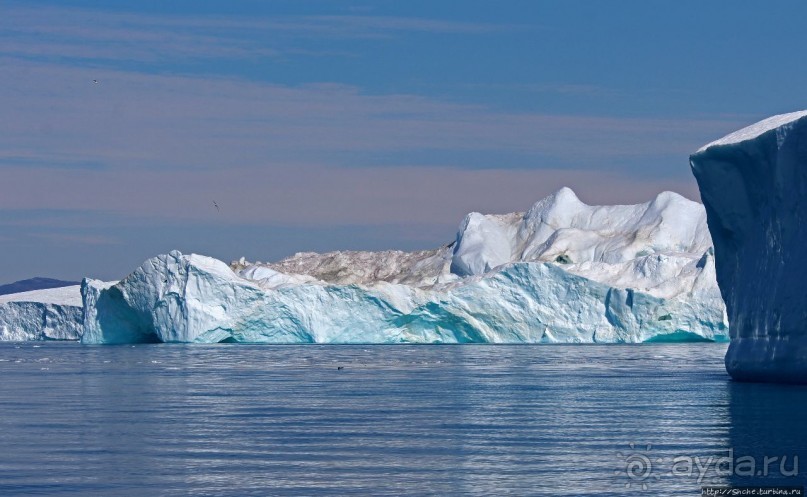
(326, 125)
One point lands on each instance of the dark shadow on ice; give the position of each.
(121, 323)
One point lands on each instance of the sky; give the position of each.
(349, 125)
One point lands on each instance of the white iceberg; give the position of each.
(52, 314)
(754, 185)
(561, 272)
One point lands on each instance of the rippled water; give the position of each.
(439, 420)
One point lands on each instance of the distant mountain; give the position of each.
(34, 284)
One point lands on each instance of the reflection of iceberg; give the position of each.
(561, 272)
(52, 314)
(754, 185)
(764, 423)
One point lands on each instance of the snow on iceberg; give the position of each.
(754, 186)
(52, 314)
(561, 272)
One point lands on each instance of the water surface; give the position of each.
(394, 420)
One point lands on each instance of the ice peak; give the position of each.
(756, 129)
(565, 194)
(667, 198)
(562, 201)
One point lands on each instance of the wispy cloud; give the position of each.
(373, 26)
(51, 32)
(321, 195)
(274, 154)
(106, 141)
(46, 162)
(552, 88)
(79, 239)
(87, 218)
(153, 121)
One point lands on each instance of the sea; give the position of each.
(242, 420)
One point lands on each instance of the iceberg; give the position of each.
(562, 272)
(52, 314)
(753, 183)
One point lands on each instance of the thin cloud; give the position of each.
(359, 26)
(46, 162)
(82, 219)
(52, 32)
(576, 89)
(143, 121)
(76, 238)
(318, 195)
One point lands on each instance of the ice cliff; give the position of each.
(563, 271)
(53, 314)
(754, 186)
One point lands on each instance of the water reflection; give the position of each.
(448, 420)
(767, 421)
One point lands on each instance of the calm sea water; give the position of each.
(394, 420)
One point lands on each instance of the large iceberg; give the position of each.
(754, 185)
(52, 314)
(563, 271)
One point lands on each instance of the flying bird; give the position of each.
(216, 206)
(95, 81)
